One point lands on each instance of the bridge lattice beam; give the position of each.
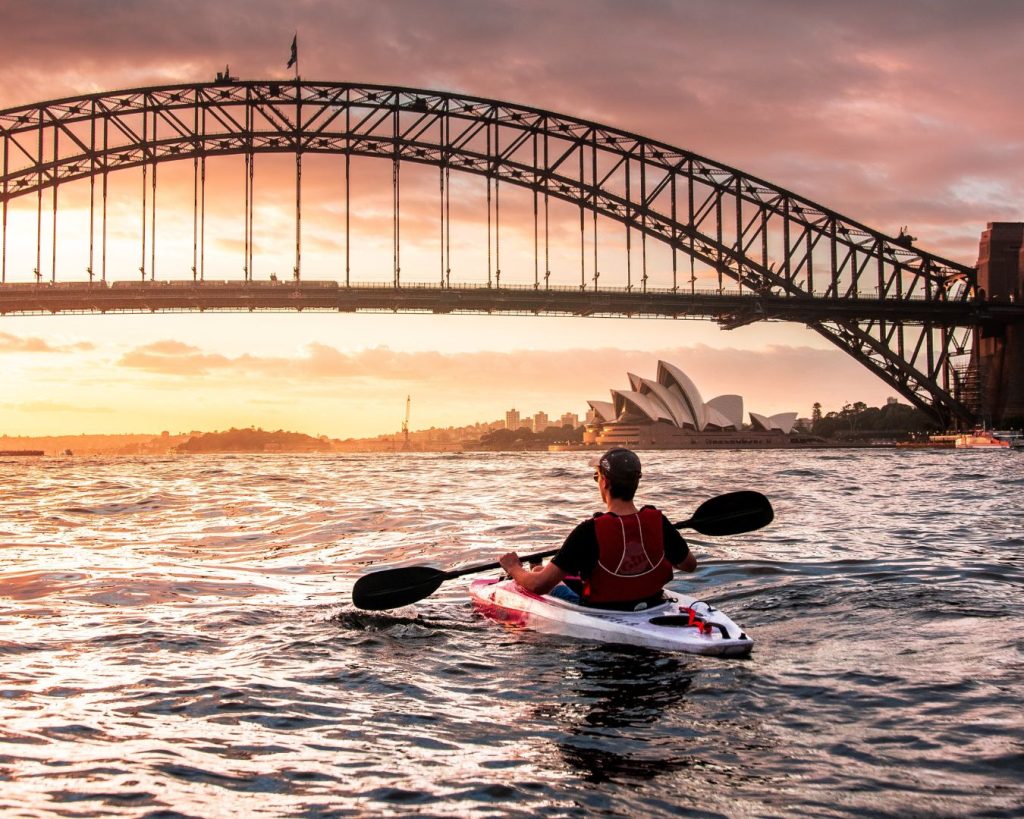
(773, 243)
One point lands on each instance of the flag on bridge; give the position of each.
(294, 58)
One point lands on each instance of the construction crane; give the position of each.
(405, 423)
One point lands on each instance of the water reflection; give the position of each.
(616, 699)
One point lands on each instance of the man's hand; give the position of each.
(539, 580)
(510, 562)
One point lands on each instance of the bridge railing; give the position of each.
(413, 285)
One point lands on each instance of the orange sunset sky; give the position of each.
(890, 113)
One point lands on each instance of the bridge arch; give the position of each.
(782, 250)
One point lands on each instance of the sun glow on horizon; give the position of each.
(344, 375)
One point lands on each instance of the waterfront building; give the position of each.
(512, 419)
(668, 412)
(569, 419)
(540, 422)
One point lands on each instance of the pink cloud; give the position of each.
(13, 344)
(173, 358)
(10, 343)
(774, 378)
(877, 110)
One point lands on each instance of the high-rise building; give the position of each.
(540, 421)
(570, 419)
(512, 419)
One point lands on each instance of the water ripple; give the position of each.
(178, 640)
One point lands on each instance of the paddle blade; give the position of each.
(731, 514)
(394, 588)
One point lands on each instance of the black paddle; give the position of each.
(730, 514)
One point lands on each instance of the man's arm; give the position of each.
(538, 581)
(566, 562)
(688, 564)
(677, 550)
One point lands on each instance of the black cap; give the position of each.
(618, 464)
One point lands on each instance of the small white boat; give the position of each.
(1014, 438)
(681, 623)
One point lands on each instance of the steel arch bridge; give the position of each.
(909, 316)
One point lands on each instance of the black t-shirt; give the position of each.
(578, 555)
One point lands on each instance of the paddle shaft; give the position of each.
(486, 567)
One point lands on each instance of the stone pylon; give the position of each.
(1000, 350)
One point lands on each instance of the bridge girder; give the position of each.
(917, 311)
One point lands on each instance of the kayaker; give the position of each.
(622, 557)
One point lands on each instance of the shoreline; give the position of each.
(551, 449)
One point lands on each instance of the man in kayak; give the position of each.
(622, 557)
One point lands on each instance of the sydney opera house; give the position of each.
(669, 413)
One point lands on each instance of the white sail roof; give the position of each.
(760, 422)
(673, 403)
(718, 419)
(731, 406)
(678, 381)
(605, 409)
(783, 421)
(627, 403)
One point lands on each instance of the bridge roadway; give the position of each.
(731, 309)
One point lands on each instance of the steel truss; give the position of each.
(907, 315)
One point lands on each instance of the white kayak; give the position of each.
(681, 623)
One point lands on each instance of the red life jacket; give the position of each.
(631, 562)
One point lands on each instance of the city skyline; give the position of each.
(897, 136)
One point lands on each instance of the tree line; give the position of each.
(253, 439)
(858, 420)
(525, 438)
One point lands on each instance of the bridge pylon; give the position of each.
(999, 350)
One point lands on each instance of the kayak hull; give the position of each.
(682, 623)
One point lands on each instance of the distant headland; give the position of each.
(253, 440)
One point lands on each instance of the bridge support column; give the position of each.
(1000, 351)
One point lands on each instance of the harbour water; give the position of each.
(177, 639)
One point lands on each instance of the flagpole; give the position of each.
(294, 60)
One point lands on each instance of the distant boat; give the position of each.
(1014, 438)
(986, 439)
